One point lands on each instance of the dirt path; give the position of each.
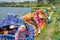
(52, 30)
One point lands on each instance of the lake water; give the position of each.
(13, 10)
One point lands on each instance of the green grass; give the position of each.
(53, 25)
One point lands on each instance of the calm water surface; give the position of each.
(15, 10)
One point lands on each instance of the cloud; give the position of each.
(16, 0)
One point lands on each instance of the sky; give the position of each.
(15, 0)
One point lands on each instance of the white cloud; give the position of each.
(16, 0)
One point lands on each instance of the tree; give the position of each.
(52, 1)
(38, 1)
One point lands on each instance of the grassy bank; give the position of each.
(52, 30)
(18, 4)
